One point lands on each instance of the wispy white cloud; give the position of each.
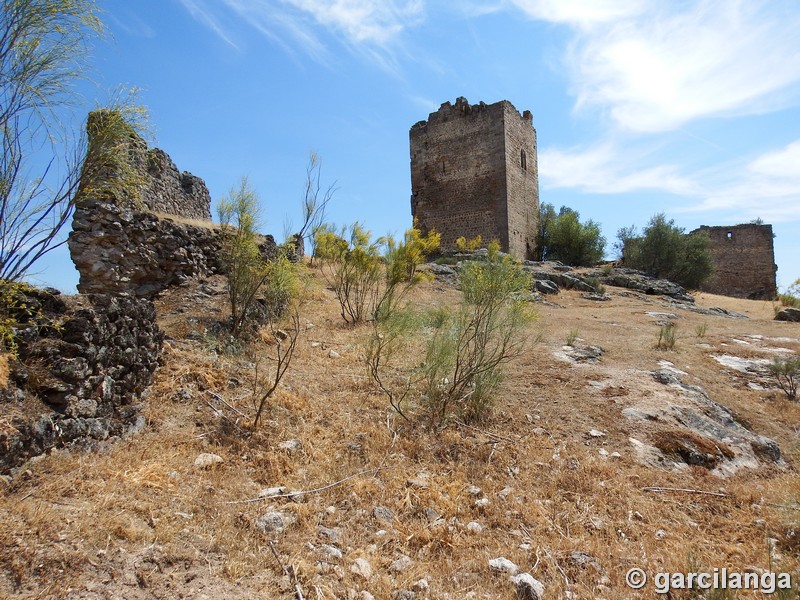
(655, 66)
(782, 164)
(202, 12)
(767, 187)
(360, 21)
(583, 13)
(132, 24)
(367, 26)
(607, 169)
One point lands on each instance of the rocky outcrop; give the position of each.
(788, 314)
(695, 430)
(81, 379)
(636, 280)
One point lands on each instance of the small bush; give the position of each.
(572, 336)
(700, 330)
(258, 289)
(464, 347)
(353, 267)
(465, 245)
(596, 284)
(787, 373)
(792, 296)
(272, 361)
(667, 337)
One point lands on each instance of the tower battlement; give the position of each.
(474, 172)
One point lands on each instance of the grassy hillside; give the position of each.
(138, 519)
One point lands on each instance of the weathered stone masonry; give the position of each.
(140, 246)
(474, 172)
(744, 261)
(82, 380)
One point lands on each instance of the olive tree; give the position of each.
(664, 250)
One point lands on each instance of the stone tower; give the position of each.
(744, 261)
(474, 172)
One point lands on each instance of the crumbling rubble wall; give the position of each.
(81, 376)
(140, 245)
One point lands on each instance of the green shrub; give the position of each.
(572, 336)
(465, 347)
(667, 337)
(465, 245)
(700, 330)
(250, 276)
(665, 251)
(563, 237)
(596, 284)
(353, 267)
(787, 373)
(792, 296)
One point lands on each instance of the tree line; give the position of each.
(661, 249)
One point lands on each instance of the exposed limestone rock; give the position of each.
(636, 280)
(579, 354)
(702, 433)
(527, 587)
(207, 460)
(503, 565)
(545, 286)
(274, 522)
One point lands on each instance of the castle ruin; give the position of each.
(744, 261)
(474, 172)
(141, 245)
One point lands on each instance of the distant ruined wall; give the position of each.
(474, 172)
(82, 381)
(744, 261)
(121, 246)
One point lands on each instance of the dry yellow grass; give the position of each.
(4, 370)
(186, 220)
(137, 519)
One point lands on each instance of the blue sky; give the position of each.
(641, 106)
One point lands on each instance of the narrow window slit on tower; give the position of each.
(523, 160)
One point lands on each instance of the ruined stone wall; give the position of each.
(744, 261)
(121, 246)
(119, 250)
(468, 177)
(172, 192)
(82, 380)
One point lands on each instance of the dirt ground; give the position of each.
(362, 488)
